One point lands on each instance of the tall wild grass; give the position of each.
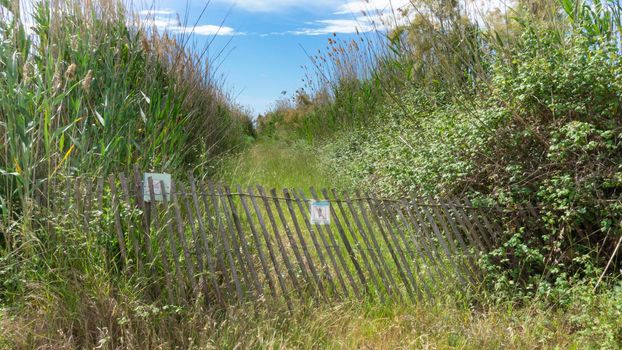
(89, 88)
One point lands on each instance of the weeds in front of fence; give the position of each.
(80, 311)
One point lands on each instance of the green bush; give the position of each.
(546, 131)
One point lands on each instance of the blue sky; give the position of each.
(266, 38)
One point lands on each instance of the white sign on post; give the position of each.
(157, 179)
(320, 213)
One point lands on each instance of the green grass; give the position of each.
(277, 163)
(589, 323)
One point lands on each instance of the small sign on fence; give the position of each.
(157, 179)
(320, 213)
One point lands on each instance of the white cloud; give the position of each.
(360, 16)
(338, 26)
(206, 29)
(368, 15)
(160, 22)
(153, 12)
(168, 20)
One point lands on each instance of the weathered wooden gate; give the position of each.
(226, 246)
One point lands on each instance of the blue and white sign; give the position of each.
(320, 212)
(158, 180)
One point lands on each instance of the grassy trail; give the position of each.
(278, 163)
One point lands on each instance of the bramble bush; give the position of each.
(536, 120)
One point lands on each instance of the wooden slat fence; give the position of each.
(205, 241)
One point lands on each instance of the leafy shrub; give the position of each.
(547, 131)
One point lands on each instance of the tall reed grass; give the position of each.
(89, 88)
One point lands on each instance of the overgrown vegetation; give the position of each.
(519, 108)
(513, 108)
(87, 88)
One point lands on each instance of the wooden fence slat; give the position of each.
(380, 212)
(100, 207)
(395, 216)
(442, 241)
(469, 269)
(346, 242)
(206, 249)
(495, 229)
(244, 244)
(225, 242)
(422, 243)
(360, 249)
(329, 251)
(396, 212)
(418, 241)
(67, 204)
(172, 244)
(181, 233)
(290, 238)
(318, 247)
(247, 281)
(186, 209)
(160, 242)
(145, 207)
(234, 243)
(391, 222)
(336, 246)
(100, 194)
(131, 230)
(462, 218)
(476, 226)
(392, 286)
(303, 244)
(292, 241)
(48, 188)
(346, 269)
(203, 274)
(435, 244)
(257, 241)
(117, 220)
(214, 228)
(67, 199)
(431, 241)
(78, 208)
(273, 257)
(279, 241)
(446, 209)
(374, 254)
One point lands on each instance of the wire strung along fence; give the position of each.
(206, 242)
